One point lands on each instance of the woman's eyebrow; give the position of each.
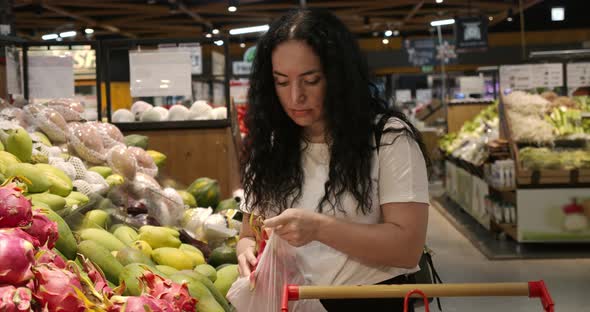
(309, 72)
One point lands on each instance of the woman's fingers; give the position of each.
(251, 258)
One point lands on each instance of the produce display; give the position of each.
(91, 228)
(546, 117)
(470, 142)
(544, 158)
(143, 111)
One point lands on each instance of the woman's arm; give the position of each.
(398, 241)
(245, 248)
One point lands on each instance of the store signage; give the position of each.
(58, 84)
(427, 52)
(13, 72)
(530, 76)
(217, 63)
(427, 68)
(553, 215)
(578, 75)
(471, 33)
(471, 85)
(196, 54)
(241, 67)
(424, 95)
(160, 73)
(402, 96)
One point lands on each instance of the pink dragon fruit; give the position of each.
(43, 229)
(14, 299)
(167, 290)
(15, 209)
(45, 255)
(57, 289)
(98, 279)
(141, 303)
(16, 232)
(16, 258)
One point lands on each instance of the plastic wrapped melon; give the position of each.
(110, 134)
(151, 115)
(85, 140)
(162, 111)
(139, 107)
(48, 120)
(219, 112)
(178, 112)
(122, 162)
(14, 114)
(145, 163)
(69, 109)
(123, 115)
(200, 110)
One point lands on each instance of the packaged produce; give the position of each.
(87, 142)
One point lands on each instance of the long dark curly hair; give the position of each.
(272, 175)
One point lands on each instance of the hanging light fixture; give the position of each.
(232, 5)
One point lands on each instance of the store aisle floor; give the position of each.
(457, 261)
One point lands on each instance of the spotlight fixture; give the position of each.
(388, 33)
(208, 35)
(491, 18)
(218, 42)
(396, 33)
(557, 14)
(215, 31)
(89, 31)
(385, 41)
(232, 5)
(242, 45)
(439, 1)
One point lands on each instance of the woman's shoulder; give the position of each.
(392, 123)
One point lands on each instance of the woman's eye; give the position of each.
(312, 81)
(281, 83)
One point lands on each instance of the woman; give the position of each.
(311, 168)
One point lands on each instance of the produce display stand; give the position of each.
(194, 147)
(533, 289)
(543, 199)
(460, 111)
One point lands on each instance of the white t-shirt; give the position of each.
(401, 176)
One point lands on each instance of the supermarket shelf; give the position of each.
(509, 229)
(168, 125)
(494, 248)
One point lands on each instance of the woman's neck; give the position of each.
(315, 133)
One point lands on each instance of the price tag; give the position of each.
(578, 75)
(218, 63)
(547, 75)
(424, 95)
(218, 94)
(51, 77)
(160, 73)
(403, 95)
(471, 85)
(13, 71)
(515, 77)
(241, 67)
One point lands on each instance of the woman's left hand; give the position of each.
(297, 226)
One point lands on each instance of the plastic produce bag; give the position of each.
(277, 266)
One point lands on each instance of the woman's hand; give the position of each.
(297, 226)
(246, 261)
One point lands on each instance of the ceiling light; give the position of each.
(215, 31)
(491, 18)
(444, 22)
(247, 30)
(242, 45)
(439, 1)
(208, 35)
(59, 39)
(557, 14)
(388, 33)
(396, 32)
(218, 42)
(385, 41)
(509, 19)
(232, 8)
(66, 34)
(49, 37)
(89, 31)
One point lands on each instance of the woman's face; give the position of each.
(300, 84)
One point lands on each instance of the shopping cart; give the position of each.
(535, 289)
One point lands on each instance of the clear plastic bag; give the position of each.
(277, 266)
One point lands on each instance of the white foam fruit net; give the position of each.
(87, 143)
(145, 163)
(111, 135)
(52, 124)
(70, 110)
(79, 167)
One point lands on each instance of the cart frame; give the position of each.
(533, 289)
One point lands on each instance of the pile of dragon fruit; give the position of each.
(35, 277)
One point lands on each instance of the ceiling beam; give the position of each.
(89, 21)
(414, 10)
(195, 16)
(500, 17)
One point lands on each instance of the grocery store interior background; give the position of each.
(500, 90)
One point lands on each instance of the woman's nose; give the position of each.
(297, 93)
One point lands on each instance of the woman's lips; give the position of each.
(300, 112)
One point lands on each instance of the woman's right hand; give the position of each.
(246, 261)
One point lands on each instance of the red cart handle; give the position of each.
(421, 293)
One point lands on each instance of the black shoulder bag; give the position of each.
(427, 273)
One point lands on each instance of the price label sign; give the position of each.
(547, 75)
(516, 77)
(160, 73)
(51, 77)
(578, 75)
(471, 85)
(403, 95)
